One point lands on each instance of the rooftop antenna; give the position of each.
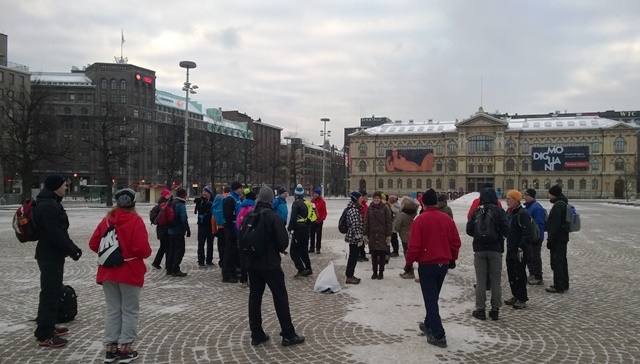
(122, 59)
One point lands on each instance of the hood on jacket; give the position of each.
(408, 205)
(560, 197)
(120, 217)
(247, 202)
(47, 193)
(488, 196)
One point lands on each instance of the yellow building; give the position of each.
(588, 156)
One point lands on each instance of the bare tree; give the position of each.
(28, 128)
(170, 142)
(245, 161)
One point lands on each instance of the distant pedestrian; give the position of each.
(205, 233)
(377, 233)
(355, 235)
(299, 227)
(122, 284)
(177, 231)
(231, 208)
(409, 210)
(433, 243)
(395, 211)
(557, 240)
(54, 245)
(266, 270)
(518, 244)
(315, 228)
(539, 214)
(162, 234)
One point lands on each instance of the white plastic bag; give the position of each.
(327, 282)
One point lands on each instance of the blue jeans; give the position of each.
(431, 279)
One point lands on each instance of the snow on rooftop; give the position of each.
(61, 78)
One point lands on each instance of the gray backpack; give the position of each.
(572, 219)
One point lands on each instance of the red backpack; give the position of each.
(23, 222)
(166, 216)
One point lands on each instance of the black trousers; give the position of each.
(315, 236)
(222, 240)
(175, 253)
(51, 272)
(362, 252)
(205, 236)
(517, 274)
(559, 265)
(299, 243)
(273, 278)
(162, 250)
(394, 242)
(534, 263)
(354, 254)
(230, 252)
(378, 260)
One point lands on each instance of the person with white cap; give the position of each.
(300, 230)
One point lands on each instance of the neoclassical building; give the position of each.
(589, 156)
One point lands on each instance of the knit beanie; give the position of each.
(531, 192)
(515, 194)
(377, 194)
(182, 193)
(53, 182)
(281, 190)
(235, 185)
(299, 191)
(355, 195)
(430, 197)
(555, 190)
(318, 191)
(126, 198)
(246, 191)
(209, 190)
(442, 197)
(265, 194)
(251, 196)
(226, 189)
(165, 193)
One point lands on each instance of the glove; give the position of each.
(452, 264)
(520, 255)
(77, 255)
(388, 241)
(188, 233)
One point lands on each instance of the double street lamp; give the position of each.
(324, 133)
(187, 88)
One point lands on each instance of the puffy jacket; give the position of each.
(488, 197)
(395, 212)
(203, 210)
(520, 229)
(405, 218)
(442, 206)
(298, 212)
(555, 225)
(321, 209)
(280, 206)
(433, 239)
(52, 222)
(246, 206)
(355, 221)
(134, 246)
(277, 241)
(378, 225)
(181, 225)
(538, 213)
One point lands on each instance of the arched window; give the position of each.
(381, 150)
(547, 143)
(363, 185)
(409, 183)
(453, 166)
(439, 149)
(595, 165)
(594, 184)
(619, 164)
(547, 184)
(525, 184)
(439, 166)
(380, 166)
(438, 184)
(525, 166)
(399, 183)
(363, 150)
(470, 168)
(452, 183)
(481, 143)
(595, 146)
(510, 165)
(559, 182)
(583, 184)
(418, 183)
(103, 84)
(536, 184)
(619, 145)
(570, 184)
(429, 183)
(389, 183)
(380, 183)
(509, 183)
(123, 85)
(452, 148)
(536, 144)
(114, 84)
(571, 143)
(362, 166)
(429, 146)
(525, 146)
(510, 146)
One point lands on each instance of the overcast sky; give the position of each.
(292, 63)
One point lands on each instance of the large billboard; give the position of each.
(560, 158)
(409, 160)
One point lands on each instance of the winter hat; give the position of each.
(53, 182)
(235, 185)
(226, 189)
(165, 193)
(126, 198)
(355, 195)
(265, 194)
(531, 192)
(208, 189)
(182, 193)
(430, 197)
(555, 190)
(251, 196)
(515, 194)
(442, 197)
(377, 194)
(363, 192)
(246, 191)
(487, 185)
(281, 190)
(299, 191)
(318, 191)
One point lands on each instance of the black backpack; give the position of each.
(153, 214)
(253, 233)
(68, 306)
(485, 226)
(343, 223)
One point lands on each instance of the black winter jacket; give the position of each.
(52, 222)
(520, 232)
(488, 197)
(555, 225)
(298, 211)
(203, 210)
(276, 238)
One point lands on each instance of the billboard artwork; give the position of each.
(409, 160)
(560, 158)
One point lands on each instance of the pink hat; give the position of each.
(165, 193)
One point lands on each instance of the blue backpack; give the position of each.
(216, 209)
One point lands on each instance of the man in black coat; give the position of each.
(53, 247)
(266, 270)
(557, 240)
(205, 234)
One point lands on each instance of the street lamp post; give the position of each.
(324, 133)
(187, 88)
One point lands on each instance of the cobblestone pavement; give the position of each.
(198, 319)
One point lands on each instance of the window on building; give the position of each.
(584, 143)
(419, 183)
(123, 85)
(619, 164)
(399, 183)
(12, 78)
(452, 165)
(123, 99)
(594, 184)
(103, 111)
(381, 166)
(103, 98)
(409, 183)
(430, 146)
(559, 182)
(619, 145)
(149, 129)
(114, 98)
(536, 184)
(570, 183)
(490, 168)
(510, 165)
(380, 183)
(439, 149)
(429, 183)
(72, 97)
(595, 146)
(103, 84)
(525, 184)
(452, 148)
(595, 165)
(67, 111)
(10, 94)
(439, 166)
(452, 183)
(363, 150)
(362, 166)
(571, 143)
(438, 184)
(525, 146)
(135, 113)
(481, 143)
(21, 81)
(67, 123)
(547, 143)
(536, 144)
(547, 184)
(1, 76)
(84, 124)
(509, 183)
(114, 84)
(389, 183)
(583, 184)
(510, 146)
(381, 150)
(470, 168)
(525, 166)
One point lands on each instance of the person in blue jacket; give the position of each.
(539, 214)
(177, 231)
(279, 204)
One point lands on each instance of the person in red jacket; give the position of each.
(433, 243)
(122, 284)
(315, 230)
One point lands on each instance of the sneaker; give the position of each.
(425, 330)
(61, 331)
(380, 275)
(53, 342)
(534, 281)
(201, 265)
(112, 353)
(127, 355)
(179, 274)
(300, 274)
(511, 301)
(553, 289)
(374, 275)
(479, 314)
(260, 340)
(352, 280)
(156, 266)
(519, 305)
(229, 280)
(441, 343)
(169, 273)
(494, 314)
(408, 275)
(395, 255)
(307, 272)
(294, 340)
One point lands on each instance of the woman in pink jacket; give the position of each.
(122, 284)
